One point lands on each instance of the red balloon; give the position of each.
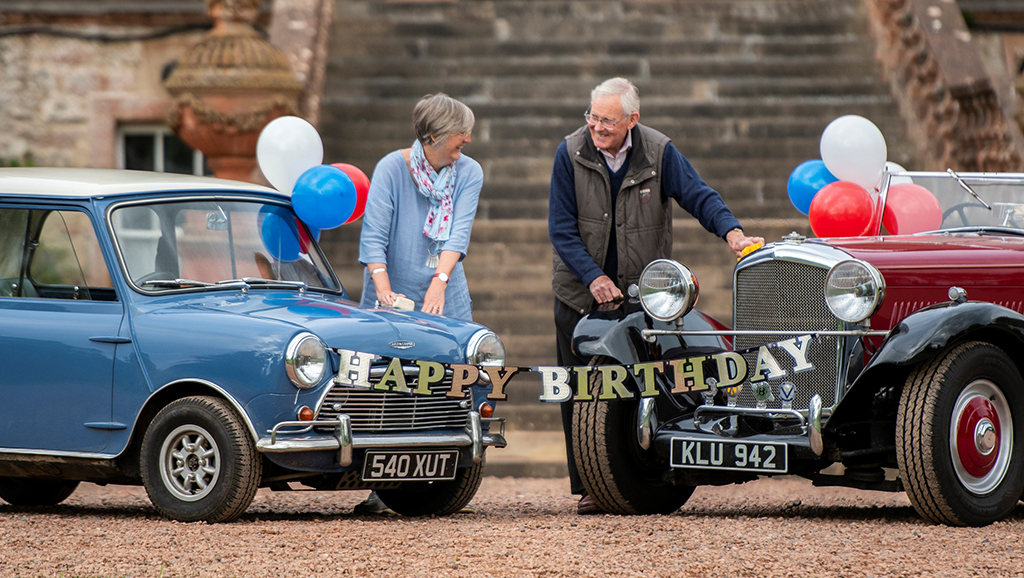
(841, 209)
(910, 209)
(362, 188)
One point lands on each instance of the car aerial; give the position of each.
(187, 334)
(880, 362)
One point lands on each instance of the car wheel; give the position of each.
(957, 430)
(435, 498)
(33, 492)
(616, 472)
(199, 461)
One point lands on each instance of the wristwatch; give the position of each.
(442, 276)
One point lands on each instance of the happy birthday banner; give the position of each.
(563, 383)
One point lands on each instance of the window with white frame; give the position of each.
(157, 148)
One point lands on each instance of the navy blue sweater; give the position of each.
(679, 181)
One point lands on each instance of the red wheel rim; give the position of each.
(977, 436)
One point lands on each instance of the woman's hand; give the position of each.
(388, 297)
(433, 301)
(382, 284)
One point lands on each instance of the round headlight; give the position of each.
(667, 289)
(485, 348)
(854, 290)
(305, 360)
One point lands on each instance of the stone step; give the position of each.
(695, 87)
(423, 47)
(530, 453)
(449, 74)
(587, 20)
(721, 108)
(548, 132)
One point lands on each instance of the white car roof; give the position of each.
(87, 183)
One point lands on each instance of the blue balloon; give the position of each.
(805, 182)
(280, 233)
(324, 197)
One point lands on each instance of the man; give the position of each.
(610, 214)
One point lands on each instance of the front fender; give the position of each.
(921, 336)
(924, 333)
(615, 332)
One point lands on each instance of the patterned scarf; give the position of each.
(436, 187)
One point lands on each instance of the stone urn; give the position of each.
(227, 87)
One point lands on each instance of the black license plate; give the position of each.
(765, 457)
(410, 465)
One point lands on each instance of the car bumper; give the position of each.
(285, 438)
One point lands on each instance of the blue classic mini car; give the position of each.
(187, 334)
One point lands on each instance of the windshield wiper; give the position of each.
(300, 285)
(968, 188)
(176, 283)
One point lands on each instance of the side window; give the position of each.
(13, 232)
(67, 262)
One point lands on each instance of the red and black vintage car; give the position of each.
(897, 356)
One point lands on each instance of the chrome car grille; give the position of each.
(381, 412)
(787, 295)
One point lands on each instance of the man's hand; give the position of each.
(604, 290)
(739, 241)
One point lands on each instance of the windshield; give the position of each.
(198, 243)
(917, 202)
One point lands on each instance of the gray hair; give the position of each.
(438, 116)
(628, 93)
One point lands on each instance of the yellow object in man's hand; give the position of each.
(749, 249)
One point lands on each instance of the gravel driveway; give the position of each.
(523, 527)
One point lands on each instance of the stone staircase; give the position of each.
(743, 87)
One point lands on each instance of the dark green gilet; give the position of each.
(643, 216)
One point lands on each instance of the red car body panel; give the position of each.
(919, 270)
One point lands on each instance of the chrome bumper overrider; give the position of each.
(285, 438)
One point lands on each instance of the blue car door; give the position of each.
(59, 324)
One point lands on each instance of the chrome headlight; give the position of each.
(667, 289)
(305, 360)
(854, 290)
(485, 348)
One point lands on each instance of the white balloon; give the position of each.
(288, 146)
(853, 149)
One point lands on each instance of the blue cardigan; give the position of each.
(679, 181)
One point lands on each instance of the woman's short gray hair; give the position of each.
(627, 92)
(438, 116)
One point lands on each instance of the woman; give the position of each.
(419, 214)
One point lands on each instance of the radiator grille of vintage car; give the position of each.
(383, 412)
(786, 295)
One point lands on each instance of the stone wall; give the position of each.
(72, 71)
(68, 78)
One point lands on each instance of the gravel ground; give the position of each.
(523, 527)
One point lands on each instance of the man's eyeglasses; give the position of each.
(605, 123)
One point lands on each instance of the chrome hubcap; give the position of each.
(985, 436)
(981, 436)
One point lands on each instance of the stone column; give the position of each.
(228, 87)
